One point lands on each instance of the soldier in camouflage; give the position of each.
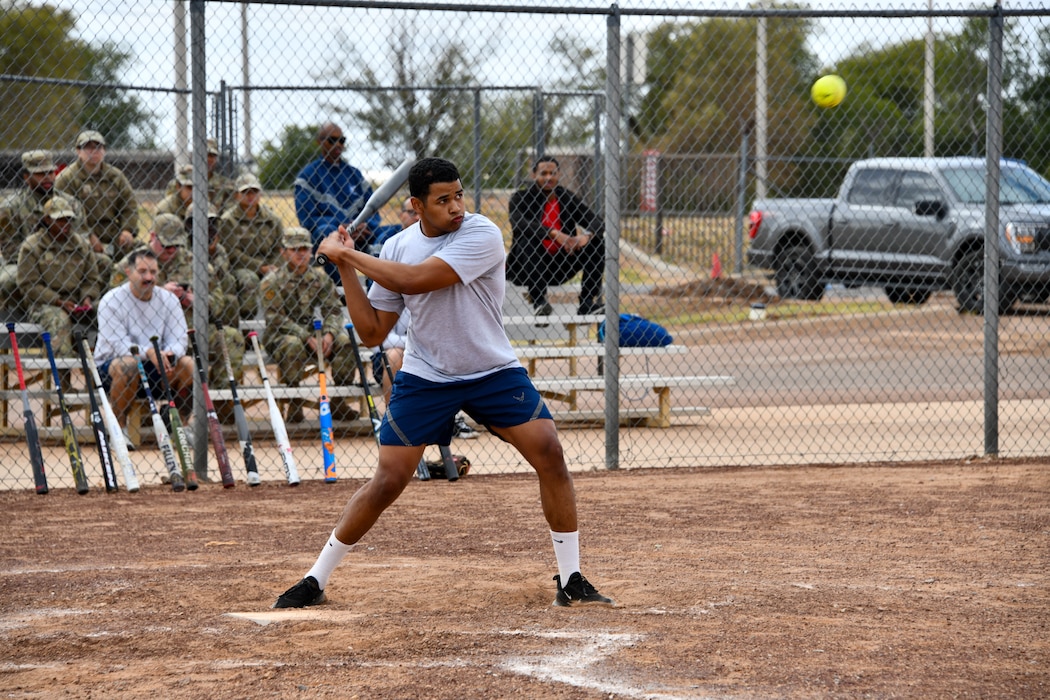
(110, 210)
(220, 187)
(58, 274)
(179, 202)
(20, 215)
(253, 233)
(290, 296)
(223, 309)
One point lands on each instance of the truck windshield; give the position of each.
(1018, 185)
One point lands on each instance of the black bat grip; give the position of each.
(321, 259)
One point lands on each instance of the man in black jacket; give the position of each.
(549, 244)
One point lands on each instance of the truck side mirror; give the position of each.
(931, 207)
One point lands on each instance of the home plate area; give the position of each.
(886, 580)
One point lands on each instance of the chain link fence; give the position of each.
(825, 272)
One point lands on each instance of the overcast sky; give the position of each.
(298, 45)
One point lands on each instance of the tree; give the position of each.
(1035, 100)
(883, 114)
(508, 124)
(37, 115)
(428, 112)
(280, 161)
(122, 119)
(699, 99)
(37, 44)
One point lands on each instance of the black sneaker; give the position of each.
(540, 305)
(301, 595)
(462, 429)
(578, 591)
(591, 306)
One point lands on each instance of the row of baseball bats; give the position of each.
(171, 436)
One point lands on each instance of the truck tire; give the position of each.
(796, 274)
(903, 295)
(968, 285)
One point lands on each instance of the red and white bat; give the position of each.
(214, 428)
(116, 434)
(36, 452)
(243, 435)
(280, 433)
(325, 405)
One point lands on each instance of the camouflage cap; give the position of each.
(60, 207)
(90, 136)
(38, 162)
(184, 175)
(296, 237)
(213, 147)
(248, 181)
(169, 230)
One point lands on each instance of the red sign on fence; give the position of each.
(650, 180)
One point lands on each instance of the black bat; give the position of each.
(422, 470)
(243, 434)
(380, 197)
(214, 429)
(98, 425)
(178, 484)
(69, 435)
(178, 431)
(36, 452)
(451, 472)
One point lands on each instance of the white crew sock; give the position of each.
(567, 552)
(328, 559)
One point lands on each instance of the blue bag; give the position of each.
(638, 332)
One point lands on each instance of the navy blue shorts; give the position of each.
(152, 373)
(422, 412)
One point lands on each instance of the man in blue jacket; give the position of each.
(329, 193)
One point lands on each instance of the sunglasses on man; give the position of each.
(335, 139)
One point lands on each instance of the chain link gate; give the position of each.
(820, 270)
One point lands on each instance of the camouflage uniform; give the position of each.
(289, 300)
(174, 204)
(253, 242)
(220, 187)
(51, 272)
(20, 215)
(107, 199)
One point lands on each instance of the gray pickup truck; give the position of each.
(911, 226)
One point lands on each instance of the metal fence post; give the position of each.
(612, 240)
(741, 200)
(994, 137)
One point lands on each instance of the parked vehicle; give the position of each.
(912, 226)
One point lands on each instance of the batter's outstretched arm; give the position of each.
(428, 276)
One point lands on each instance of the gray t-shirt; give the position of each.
(457, 332)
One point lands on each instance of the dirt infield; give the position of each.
(868, 581)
